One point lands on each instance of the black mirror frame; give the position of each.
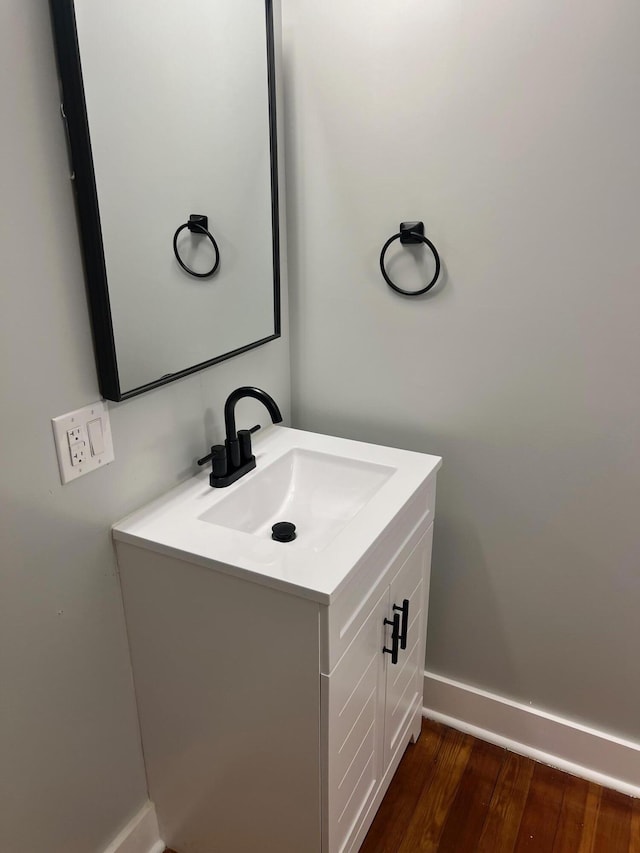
(74, 114)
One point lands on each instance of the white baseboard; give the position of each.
(140, 835)
(582, 751)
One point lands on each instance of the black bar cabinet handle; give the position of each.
(395, 638)
(405, 622)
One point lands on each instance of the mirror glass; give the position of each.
(170, 112)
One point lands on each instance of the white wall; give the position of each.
(513, 131)
(71, 771)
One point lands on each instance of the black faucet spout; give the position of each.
(234, 458)
(247, 391)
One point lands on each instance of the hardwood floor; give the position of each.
(455, 794)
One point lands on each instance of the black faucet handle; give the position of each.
(219, 461)
(216, 449)
(244, 438)
(218, 458)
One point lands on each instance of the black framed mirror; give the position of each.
(170, 113)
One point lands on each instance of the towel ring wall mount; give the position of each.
(410, 233)
(197, 224)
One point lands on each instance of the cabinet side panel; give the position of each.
(228, 688)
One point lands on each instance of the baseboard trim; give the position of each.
(140, 835)
(570, 746)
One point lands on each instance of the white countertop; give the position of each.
(172, 525)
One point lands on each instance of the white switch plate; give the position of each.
(76, 455)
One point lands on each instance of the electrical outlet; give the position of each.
(83, 441)
(74, 435)
(78, 453)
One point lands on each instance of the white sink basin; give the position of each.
(345, 497)
(320, 493)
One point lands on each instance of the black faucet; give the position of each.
(234, 459)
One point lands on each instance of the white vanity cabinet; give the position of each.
(271, 717)
(246, 740)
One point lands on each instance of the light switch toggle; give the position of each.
(96, 437)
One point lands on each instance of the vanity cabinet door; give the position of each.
(353, 700)
(408, 590)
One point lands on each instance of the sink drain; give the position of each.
(283, 531)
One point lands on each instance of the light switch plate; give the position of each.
(76, 445)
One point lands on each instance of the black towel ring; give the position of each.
(410, 232)
(197, 224)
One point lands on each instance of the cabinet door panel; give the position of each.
(415, 599)
(403, 694)
(399, 674)
(355, 720)
(404, 680)
(350, 692)
(363, 764)
(354, 702)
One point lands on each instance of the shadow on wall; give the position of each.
(460, 573)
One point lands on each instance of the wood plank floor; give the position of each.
(455, 794)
